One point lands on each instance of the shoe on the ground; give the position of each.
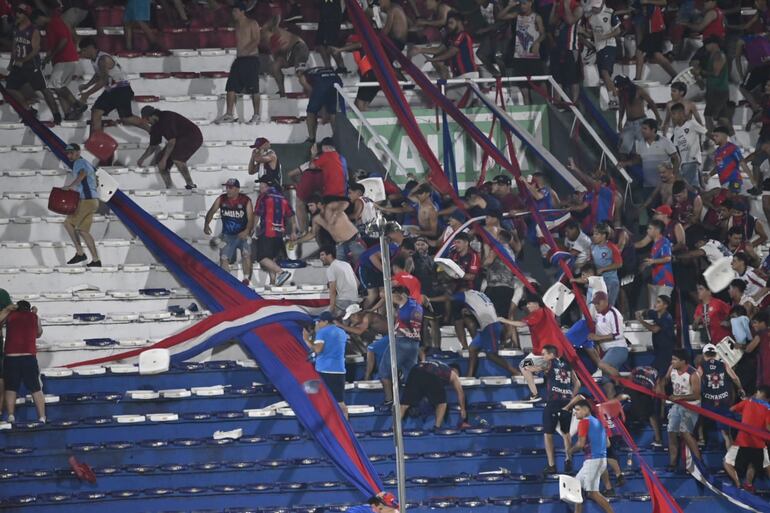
(748, 487)
(549, 470)
(11, 419)
(609, 493)
(77, 259)
(246, 282)
(754, 191)
(657, 445)
(94, 263)
(385, 407)
(42, 420)
(57, 118)
(190, 186)
(567, 466)
(621, 480)
(226, 118)
(282, 278)
(255, 119)
(535, 398)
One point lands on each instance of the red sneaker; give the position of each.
(748, 487)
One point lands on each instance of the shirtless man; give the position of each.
(437, 13)
(427, 215)
(664, 192)
(288, 51)
(345, 234)
(396, 24)
(244, 72)
(366, 327)
(678, 93)
(632, 100)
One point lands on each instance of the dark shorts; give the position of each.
(298, 55)
(370, 277)
(716, 104)
(336, 385)
(21, 369)
(553, 416)
(720, 408)
(526, 68)
(244, 76)
(324, 96)
(605, 59)
(749, 456)
(652, 43)
(756, 77)
(564, 67)
(118, 99)
(185, 148)
(367, 94)
(423, 384)
(329, 23)
(269, 247)
(23, 75)
(642, 406)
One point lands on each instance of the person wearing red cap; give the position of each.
(383, 502)
(264, 161)
(183, 138)
(25, 67)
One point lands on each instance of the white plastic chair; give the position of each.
(154, 361)
(719, 274)
(450, 267)
(569, 490)
(374, 188)
(558, 297)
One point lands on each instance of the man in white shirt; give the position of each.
(755, 284)
(687, 139)
(605, 28)
(343, 286)
(577, 243)
(652, 151)
(608, 333)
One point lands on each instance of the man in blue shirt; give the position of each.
(383, 502)
(329, 348)
(408, 335)
(82, 178)
(592, 439)
(661, 324)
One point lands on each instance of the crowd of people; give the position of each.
(642, 260)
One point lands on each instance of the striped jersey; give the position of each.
(662, 274)
(727, 159)
(272, 209)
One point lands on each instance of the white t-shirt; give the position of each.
(602, 23)
(715, 250)
(754, 283)
(344, 279)
(526, 34)
(610, 323)
(481, 306)
(687, 139)
(583, 247)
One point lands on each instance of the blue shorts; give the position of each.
(232, 243)
(324, 96)
(407, 351)
(605, 59)
(137, 10)
(615, 357)
(488, 339)
(378, 347)
(720, 408)
(370, 277)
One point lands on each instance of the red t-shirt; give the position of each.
(55, 31)
(21, 333)
(335, 173)
(717, 312)
(754, 414)
(410, 282)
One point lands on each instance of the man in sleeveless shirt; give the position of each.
(264, 161)
(117, 94)
(685, 383)
(237, 223)
(24, 69)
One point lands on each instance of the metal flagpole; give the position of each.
(398, 437)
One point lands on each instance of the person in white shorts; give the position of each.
(592, 439)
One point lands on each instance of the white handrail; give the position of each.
(375, 136)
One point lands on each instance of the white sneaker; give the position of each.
(225, 118)
(11, 419)
(41, 420)
(255, 120)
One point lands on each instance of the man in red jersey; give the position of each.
(22, 328)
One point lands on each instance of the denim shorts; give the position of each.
(681, 420)
(615, 357)
(407, 351)
(231, 244)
